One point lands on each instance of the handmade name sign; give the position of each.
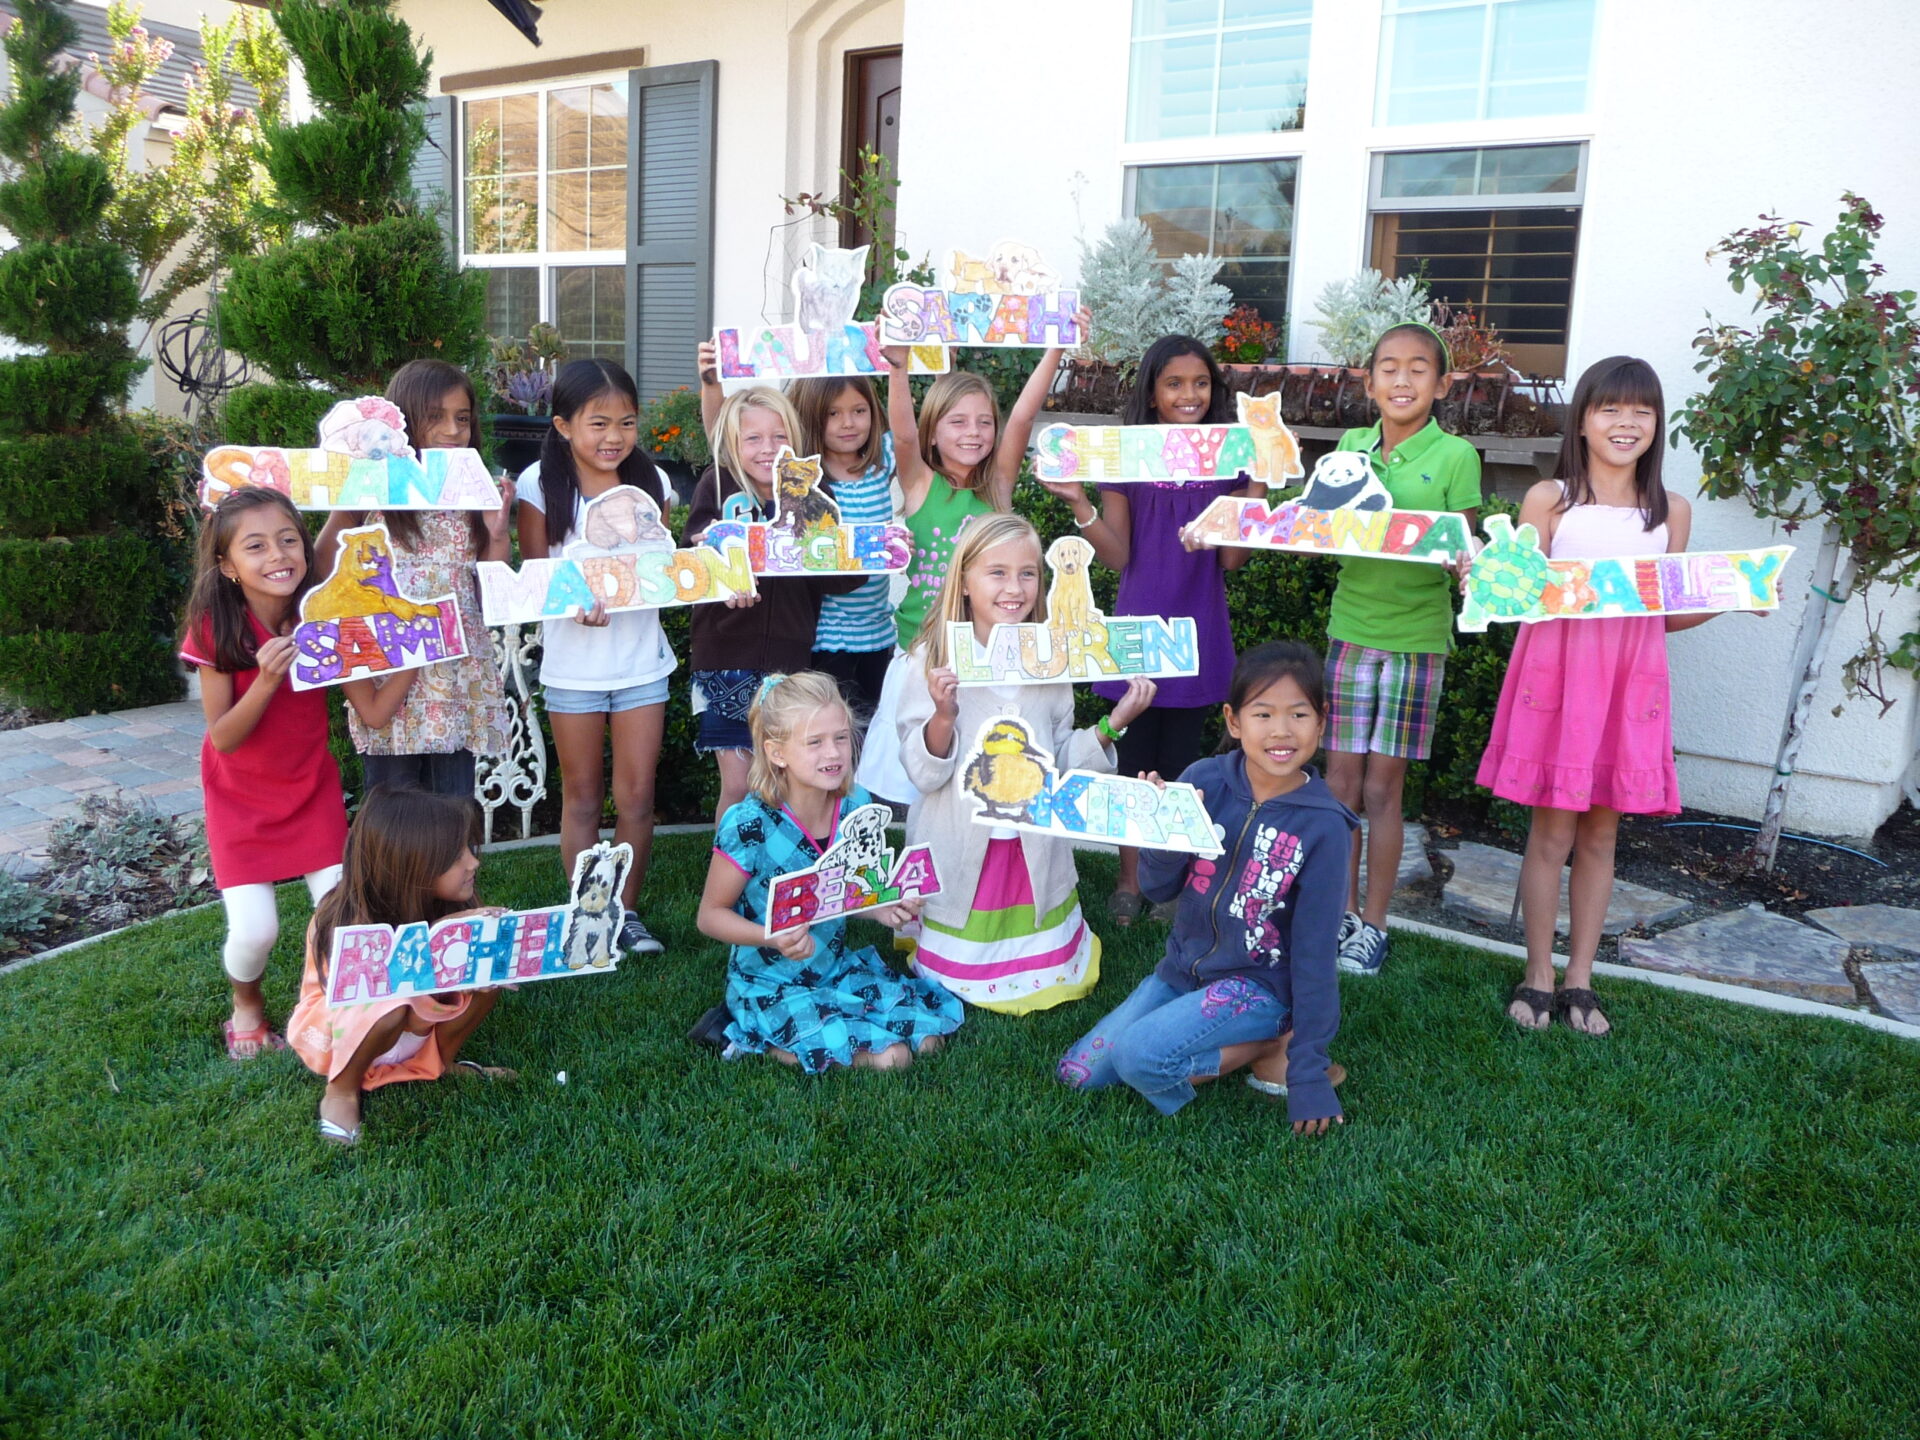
(1075, 642)
(859, 871)
(624, 558)
(1261, 445)
(1012, 781)
(806, 535)
(363, 463)
(1513, 580)
(824, 338)
(475, 952)
(1008, 299)
(357, 624)
(1344, 510)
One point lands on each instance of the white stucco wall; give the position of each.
(1701, 117)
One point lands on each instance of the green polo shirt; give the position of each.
(1393, 604)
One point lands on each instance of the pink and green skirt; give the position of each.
(1012, 956)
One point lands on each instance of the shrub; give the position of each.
(1353, 312)
(121, 858)
(670, 428)
(73, 674)
(268, 414)
(89, 585)
(26, 913)
(50, 486)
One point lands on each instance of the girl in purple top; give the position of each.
(1137, 532)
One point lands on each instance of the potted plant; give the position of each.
(520, 377)
(1352, 313)
(671, 432)
(1246, 340)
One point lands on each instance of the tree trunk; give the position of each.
(1831, 585)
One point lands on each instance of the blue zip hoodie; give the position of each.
(1268, 910)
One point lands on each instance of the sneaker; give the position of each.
(1367, 952)
(635, 936)
(711, 1028)
(1350, 926)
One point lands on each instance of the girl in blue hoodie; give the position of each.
(1250, 973)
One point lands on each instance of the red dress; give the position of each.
(274, 807)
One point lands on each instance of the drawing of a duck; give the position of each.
(1008, 772)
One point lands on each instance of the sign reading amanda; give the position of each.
(356, 624)
(1344, 510)
(824, 338)
(806, 535)
(1008, 299)
(1075, 642)
(1260, 445)
(1012, 781)
(476, 952)
(858, 871)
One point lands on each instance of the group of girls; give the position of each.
(817, 695)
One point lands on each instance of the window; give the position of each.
(1494, 230)
(545, 211)
(1446, 60)
(1242, 212)
(1217, 67)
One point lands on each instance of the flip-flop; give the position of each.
(339, 1134)
(1581, 999)
(1124, 907)
(1539, 1002)
(262, 1035)
(489, 1073)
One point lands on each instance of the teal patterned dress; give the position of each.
(836, 1003)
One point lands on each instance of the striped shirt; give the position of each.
(862, 621)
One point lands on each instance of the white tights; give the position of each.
(253, 922)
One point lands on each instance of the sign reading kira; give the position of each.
(1344, 510)
(1075, 642)
(1008, 299)
(476, 952)
(357, 624)
(858, 871)
(1011, 780)
(806, 535)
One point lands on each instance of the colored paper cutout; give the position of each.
(1009, 299)
(824, 338)
(858, 871)
(1012, 781)
(1076, 642)
(1344, 510)
(357, 624)
(1260, 445)
(1513, 580)
(806, 535)
(477, 952)
(623, 557)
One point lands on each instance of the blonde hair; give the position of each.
(946, 392)
(979, 534)
(726, 425)
(783, 705)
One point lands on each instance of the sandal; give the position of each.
(1541, 1004)
(261, 1035)
(488, 1072)
(1124, 907)
(1577, 999)
(339, 1134)
(1277, 1089)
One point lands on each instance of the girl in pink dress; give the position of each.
(1583, 733)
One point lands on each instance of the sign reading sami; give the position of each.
(1344, 510)
(1011, 781)
(357, 624)
(363, 463)
(1260, 445)
(625, 558)
(1513, 580)
(806, 535)
(475, 952)
(1075, 641)
(1008, 299)
(857, 872)
(824, 338)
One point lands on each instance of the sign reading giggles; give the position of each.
(1344, 510)
(858, 871)
(356, 624)
(1260, 445)
(1009, 299)
(824, 338)
(806, 535)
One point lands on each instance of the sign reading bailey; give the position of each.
(356, 624)
(1344, 510)
(806, 535)
(857, 872)
(1008, 299)
(824, 338)
(1513, 580)
(1260, 445)
(1011, 781)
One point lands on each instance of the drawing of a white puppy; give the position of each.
(593, 930)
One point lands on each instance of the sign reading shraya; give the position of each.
(479, 951)
(363, 462)
(1513, 580)
(625, 558)
(356, 623)
(858, 871)
(1344, 510)
(1011, 780)
(806, 535)
(1260, 445)
(824, 338)
(1008, 299)
(1075, 642)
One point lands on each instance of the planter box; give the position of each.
(517, 439)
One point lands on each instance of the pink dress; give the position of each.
(1585, 717)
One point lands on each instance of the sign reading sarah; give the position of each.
(356, 623)
(1008, 299)
(858, 871)
(1344, 510)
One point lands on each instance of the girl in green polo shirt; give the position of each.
(1391, 625)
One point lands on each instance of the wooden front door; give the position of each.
(871, 121)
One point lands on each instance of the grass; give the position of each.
(1702, 1227)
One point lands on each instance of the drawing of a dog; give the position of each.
(1070, 596)
(362, 582)
(622, 519)
(593, 930)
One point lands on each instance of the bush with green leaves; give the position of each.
(275, 414)
(27, 912)
(1352, 313)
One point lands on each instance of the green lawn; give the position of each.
(1705, 1226)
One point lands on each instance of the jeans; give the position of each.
(448, 774)
(1159, 1039)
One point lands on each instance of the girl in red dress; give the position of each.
(274, 808)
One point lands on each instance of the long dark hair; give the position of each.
(401, 842)
(812, 399)
(1139, 407)
(1261, 667)
(579, 384)
(1616, 380)
(416, 387)
(219, 602)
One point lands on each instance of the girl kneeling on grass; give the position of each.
(800, 995)
(411, 856)
(1251, 962)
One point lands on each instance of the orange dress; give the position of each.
(326, 1037)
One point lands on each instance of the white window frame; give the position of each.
(1392, 10)
(1534, 200)
(1129, 198)
(1221, 29)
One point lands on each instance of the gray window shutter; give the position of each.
(433, 169)
(670, 111)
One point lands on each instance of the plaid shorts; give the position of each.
(1381, 701)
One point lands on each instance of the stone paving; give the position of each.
(1485, 879)
(45, 770)
(1886, 929)
(1895, 988)
(1752, 947)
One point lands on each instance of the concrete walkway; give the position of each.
(46, 769)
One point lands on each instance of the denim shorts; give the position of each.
(721, 702)
(605, 702)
